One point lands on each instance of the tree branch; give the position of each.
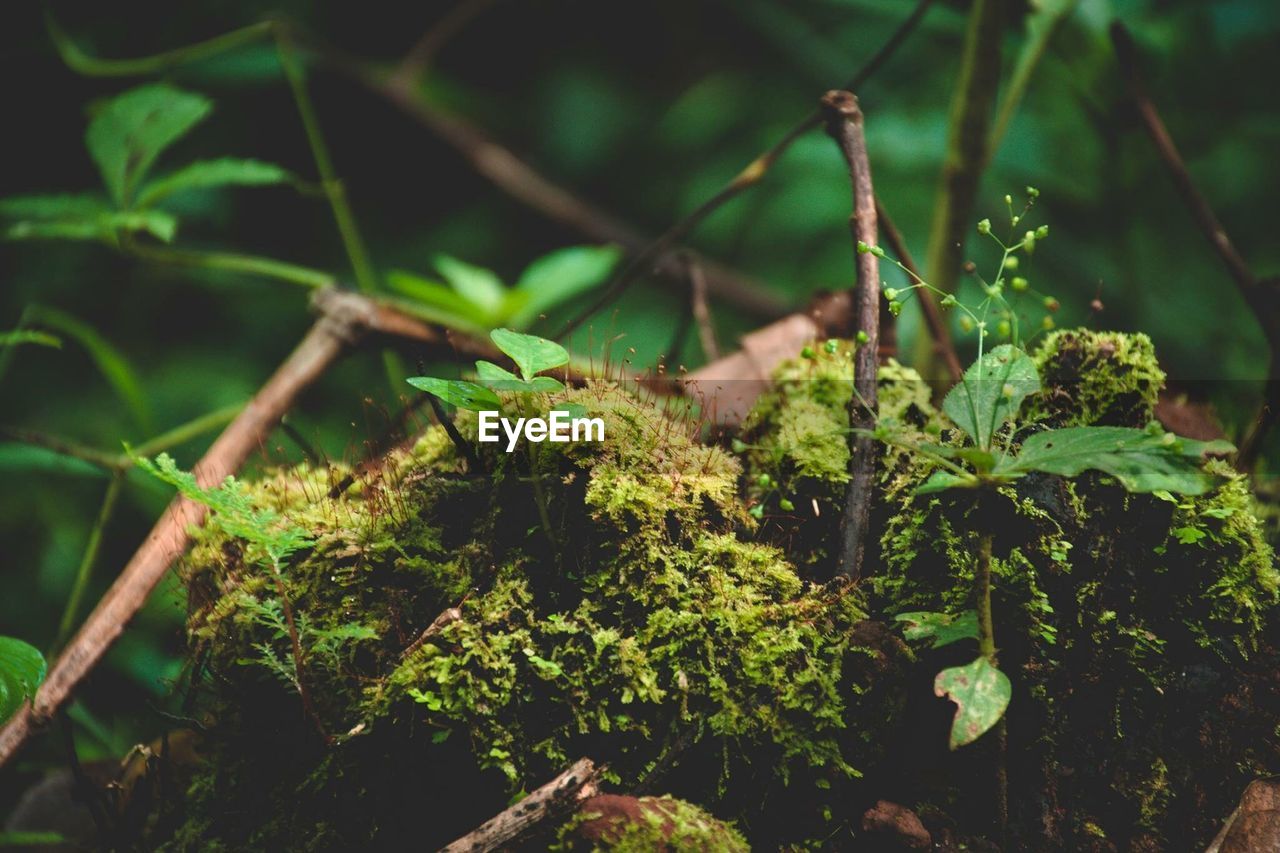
(557, 798)
(1261, 296)
(844, 124)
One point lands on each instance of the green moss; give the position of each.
(645, 631)
(1102, 378)
(652, 824)
(1128, 623)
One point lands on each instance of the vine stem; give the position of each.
(987, 648)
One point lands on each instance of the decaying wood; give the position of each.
(453, 614)
(1261, 295)
(844, 124)
(557, 798)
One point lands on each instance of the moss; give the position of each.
(1130, 625)
(797, 447)
(646, 631)
(626, 825)
(1095, 378)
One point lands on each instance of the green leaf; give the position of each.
(458, 392)
(940, 629)
(559, 276)
(981, 693)
(203, 174)
(437, 303)
(499, 378)
(79, 217)
(18, 337)
(132, 129)
(991, 393)
(21, 671)
(1142, 461)
(530, 353)
(57, 206)
(110, 361)
(477, 285)
(941, 481)
(16, 457)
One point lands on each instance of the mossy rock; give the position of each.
(648, 632)
(614, 824)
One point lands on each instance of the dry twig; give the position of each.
(844, 123)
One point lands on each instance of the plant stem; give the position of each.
(971, 105)
(295, 642)
(333, 189)
(92, 66)
(987, 648)
(88, 559)
(183, 433)
(235, 262)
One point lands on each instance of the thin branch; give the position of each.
(975, 94)
(557, 798)
(751, 175)
(170, 535)
(63, 447)
(414, 66)
(88, 559)
(464, 447)
(1261, 296)
(448, 617)
(942, 344)
(700, 310)
(844, 124)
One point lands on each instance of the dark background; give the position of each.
(644, 109)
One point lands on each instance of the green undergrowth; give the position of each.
(1136, 628)
(648, 631)
(672, 623)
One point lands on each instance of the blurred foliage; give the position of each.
(644, 109)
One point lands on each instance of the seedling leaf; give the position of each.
(981, 693)
(22, 669)
(991, 393)
(940, 629)
(530, 353)
(458, 392)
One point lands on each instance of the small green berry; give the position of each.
(1008, 199)
(891, 293)
(808, 353)
(756, 511)
(764, 480)
(1051, 304)
(895, 308)
(1029, 242)
(740, 446)
(1011, 262)
(1015, 220)
(1018, 283)
(1032, 192)
(948, 301)
(861, 338)
(984, 227)
(1042, 232)
(831, 346)
(1047, 323)
(786, 505)
(1003, 329)
(966, 323)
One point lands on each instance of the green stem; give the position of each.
(87, 560)
(191, 429)
(91, 66)
(966, 156)
(234, 262)
(987, 648)
(333, 189)
(1024, 70)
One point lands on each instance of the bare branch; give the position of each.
(844, 124)
(557, 798)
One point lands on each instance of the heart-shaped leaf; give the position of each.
(981, 693)
(940, 629)
(477, 285)
(530, 353)
(991, 393)
(21, 671)
(458, 392)
(558, 277)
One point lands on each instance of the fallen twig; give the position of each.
(448, 617)
(557, 798)
(844, 123)
(1261, 296)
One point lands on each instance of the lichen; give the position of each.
(645, 629)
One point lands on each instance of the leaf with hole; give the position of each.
(530, 353)
(981, 693)
(940, 629)
(1142, 460)
(991, 393)
(21, 671)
